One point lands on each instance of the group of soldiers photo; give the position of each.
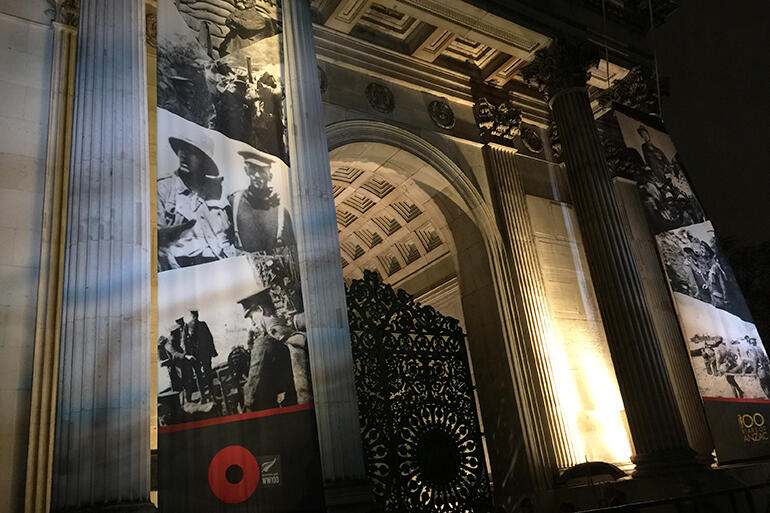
(222, 217)
(264, 358)
(218, 68)
(741, 357)
(696, 267)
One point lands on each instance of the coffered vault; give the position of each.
(453, 35)
(387, 222)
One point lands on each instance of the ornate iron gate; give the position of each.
(418, 414)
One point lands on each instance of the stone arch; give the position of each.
(517, 444)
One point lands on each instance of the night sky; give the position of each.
(716, 54)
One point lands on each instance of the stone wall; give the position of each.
(583, 366)
(25, 66)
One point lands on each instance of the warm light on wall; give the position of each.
(613, 439)
(583, 371)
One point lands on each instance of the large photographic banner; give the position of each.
(728, 358)
(236, 426)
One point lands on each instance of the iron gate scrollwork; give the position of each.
(418, 413)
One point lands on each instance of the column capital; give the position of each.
(151, 28)
(637, 90)
(561, 65)
(66, 12)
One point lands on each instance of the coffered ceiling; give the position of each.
(454, 34)
(386, 221)
(450, 33)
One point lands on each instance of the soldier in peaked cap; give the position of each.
(193, 218)
(270, 383)
(260, 221)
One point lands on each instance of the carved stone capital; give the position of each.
(555, 141)
(501, 121)
(151, 28)
(636, 90)
(66, 12)
(562, 65)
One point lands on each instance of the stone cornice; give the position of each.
(352, 53)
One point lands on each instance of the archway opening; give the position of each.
(401, 217)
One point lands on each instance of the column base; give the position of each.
(123, 507)
(350, 497)
(677, 461)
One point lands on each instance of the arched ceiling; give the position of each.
(387, 218)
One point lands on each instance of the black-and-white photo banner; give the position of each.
(236, 426)
(729, 361)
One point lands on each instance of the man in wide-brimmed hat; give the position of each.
(260, 221)
(193, 218)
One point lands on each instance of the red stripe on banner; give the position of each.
(736, 400)
(234, 418)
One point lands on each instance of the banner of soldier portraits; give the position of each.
(235, 407)
(728, 358)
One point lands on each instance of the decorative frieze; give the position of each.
(380, 98)
(554, 141)
(497, 122)
(441, 114)
(531, 139)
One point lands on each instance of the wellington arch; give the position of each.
(405, 256)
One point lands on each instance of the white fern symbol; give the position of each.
(266, 466)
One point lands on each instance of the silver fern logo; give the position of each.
(270, 470)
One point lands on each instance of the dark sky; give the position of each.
(717, 55)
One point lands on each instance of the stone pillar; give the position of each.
(660, 442)
(672, 344)
(323, 288)
(101, 447)
(44, 376)
(511, 211)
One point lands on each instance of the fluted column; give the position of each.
(315, 222)
(101, 447)
(511, 210)
(656, 426)
(45, 366)
(673, 346)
